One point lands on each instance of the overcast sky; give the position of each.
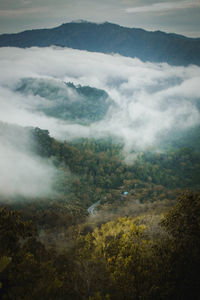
(179, 16)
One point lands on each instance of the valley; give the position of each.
(99, 164)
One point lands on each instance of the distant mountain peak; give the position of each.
(79, 21)
(154, 46)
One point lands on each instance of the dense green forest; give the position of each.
(82, 104)
(142, 242)
(100, 153)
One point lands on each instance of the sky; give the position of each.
(179, 16)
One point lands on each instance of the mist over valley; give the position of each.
(99, 164)
(76, 94)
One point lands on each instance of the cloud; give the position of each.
(20, 12)
(151, 100)
(26, 2)
(22, 172)
(164, 6)
(25, 175)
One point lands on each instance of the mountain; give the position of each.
(111, 38)
(83, 104)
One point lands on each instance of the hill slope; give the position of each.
(66, 101)
(111, 38)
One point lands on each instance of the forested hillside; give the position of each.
(82, 104)
(99, 164)
(125, 250)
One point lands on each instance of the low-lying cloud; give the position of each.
(151, 100)
(22, 172)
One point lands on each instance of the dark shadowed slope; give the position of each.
(82, 104)
(111, 38)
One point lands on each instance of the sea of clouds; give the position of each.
(152, 100)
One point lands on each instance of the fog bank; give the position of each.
(150, 100)
(22, 172)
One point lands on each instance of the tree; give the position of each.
(12, 230)
(181, 249)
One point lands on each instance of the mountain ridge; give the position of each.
(153, 46)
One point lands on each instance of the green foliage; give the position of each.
(104, 257)
(4, 262)
(12, 229)
(27, 272)
(126, 258)
(127, 252)
(183, 221)
(181, 250)
(100, 169)
(82, 104)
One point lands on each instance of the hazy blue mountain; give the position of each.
(111, 38)
(66, 101)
